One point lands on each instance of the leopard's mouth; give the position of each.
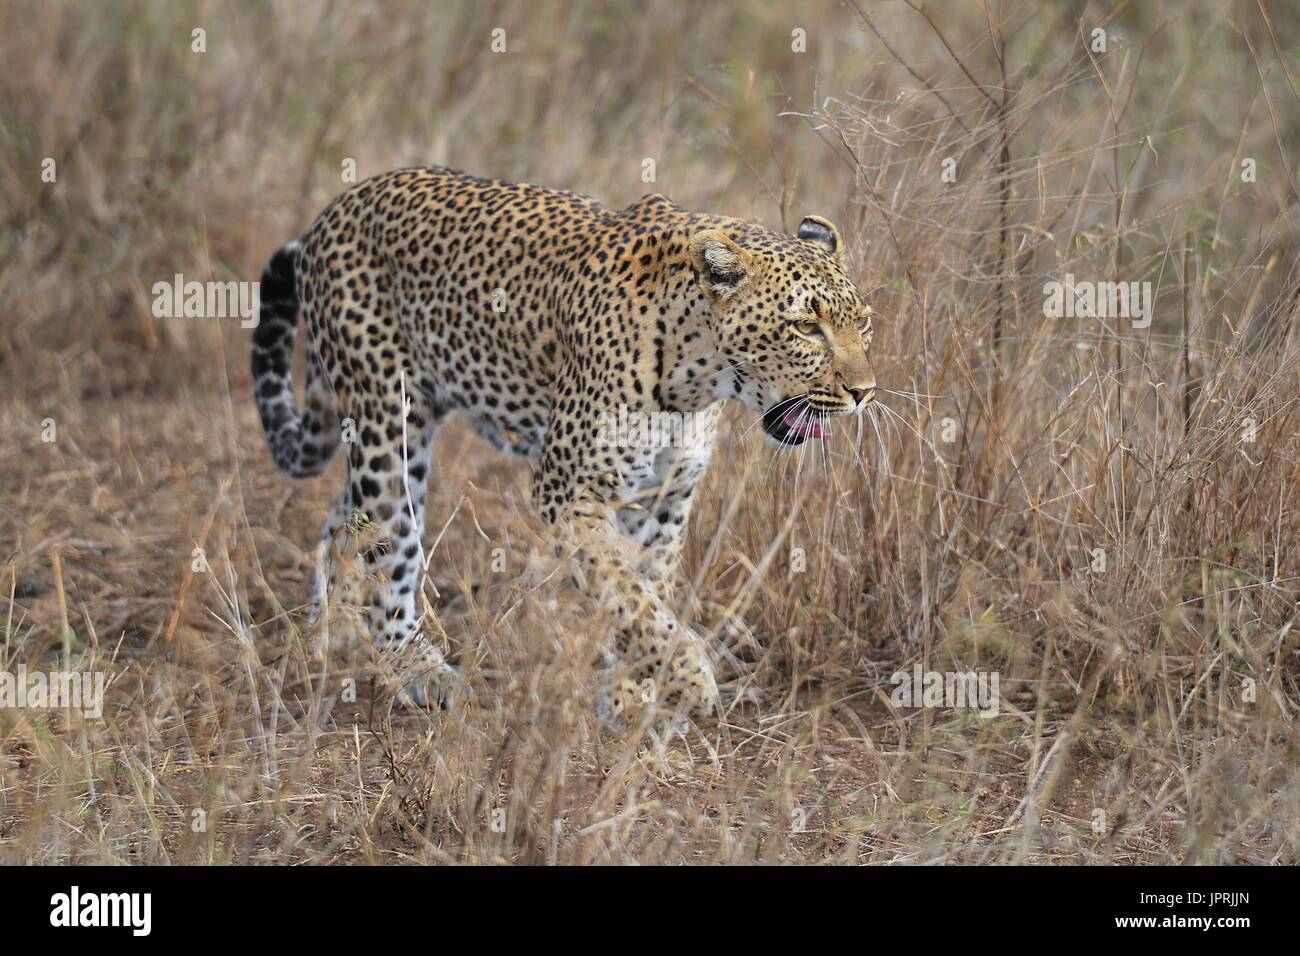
(792, 422)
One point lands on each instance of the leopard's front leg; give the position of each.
(588, 473)
(662, 662)
(657, 520)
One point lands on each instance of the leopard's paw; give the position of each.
(621, 703)
(425, 680)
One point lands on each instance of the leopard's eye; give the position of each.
(864, 327)
(806, 327)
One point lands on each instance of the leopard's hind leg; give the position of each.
(388, 483)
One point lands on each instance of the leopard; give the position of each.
(540, 316)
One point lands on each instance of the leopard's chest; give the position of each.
(667, 449)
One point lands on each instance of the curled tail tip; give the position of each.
(294, 442)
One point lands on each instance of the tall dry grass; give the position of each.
(1101, 514)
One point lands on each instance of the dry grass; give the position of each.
(1129, 729)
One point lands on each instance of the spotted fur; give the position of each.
(536, 314)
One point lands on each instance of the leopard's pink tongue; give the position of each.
(805, 423)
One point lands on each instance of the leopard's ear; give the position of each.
(721, 266)
(822, 232)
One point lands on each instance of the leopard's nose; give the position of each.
(861, 395)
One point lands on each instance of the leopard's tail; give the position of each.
(301, 443)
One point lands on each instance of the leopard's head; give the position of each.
(792, 328)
